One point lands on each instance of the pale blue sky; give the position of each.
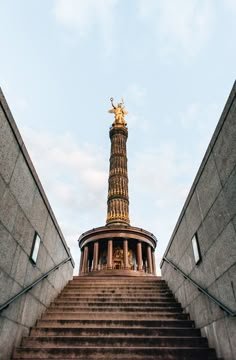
(173, 61)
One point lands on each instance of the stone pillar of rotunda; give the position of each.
(81, 261)
(154, 269)
(139, 256)
(125, 251)
(95, 256)
(85, 260)
(149, 259)
(109, 254)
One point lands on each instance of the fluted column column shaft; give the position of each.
(81, 261)
(118, 199)
(139, 256)
(154, 269)
(125, 249)
(109, 254)
(95, 256)
(149, 259)
(85, 260)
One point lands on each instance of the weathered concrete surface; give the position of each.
(24, 209)
(210, 211)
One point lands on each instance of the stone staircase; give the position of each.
(115, 318)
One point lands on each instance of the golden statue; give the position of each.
(119, 112)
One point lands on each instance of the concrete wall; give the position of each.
(210, 211)
(24, 209)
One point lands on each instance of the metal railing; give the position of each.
(201, 289)
(34, 283)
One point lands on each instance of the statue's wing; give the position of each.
(112, 111)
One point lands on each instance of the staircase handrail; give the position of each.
(201, 289)
(34, 283)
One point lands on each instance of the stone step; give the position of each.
(114, 316)
(114, 298)
(110, 292)
(111, 353)
(117, 298)
(123, 285)
(114, 331)
(118, 284)
(117, 323)
(120, 294)
(115, 341)
(93, 278)
(118, 288)
(115, 295)
(91, 309)
(110, 289)
(118, 273)
(114, 303)
(117, 278)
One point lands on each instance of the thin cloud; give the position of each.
(200, 121)
(136, 95)
(85, 16)
(232, 5)
(163, 171)
(75, 176)
(20, 103)
(160, 179)
(182, 26)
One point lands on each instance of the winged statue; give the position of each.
(119, 112)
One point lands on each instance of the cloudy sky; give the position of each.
(173, 61)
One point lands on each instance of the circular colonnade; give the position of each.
(120, 250)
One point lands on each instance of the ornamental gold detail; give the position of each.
(119, 112)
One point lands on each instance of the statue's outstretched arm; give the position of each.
(112, 103)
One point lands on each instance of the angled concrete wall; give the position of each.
(210, 212)
(24, 210)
